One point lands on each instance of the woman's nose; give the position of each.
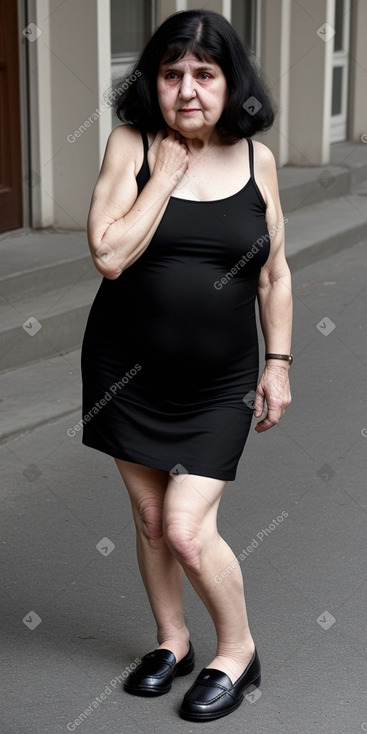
(187, 86)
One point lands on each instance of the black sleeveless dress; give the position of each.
(170, 351)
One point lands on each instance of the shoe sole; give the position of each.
(212, 716)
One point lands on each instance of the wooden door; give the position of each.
(11, 208)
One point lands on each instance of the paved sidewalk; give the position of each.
(74, 619)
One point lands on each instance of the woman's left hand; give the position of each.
(273, 393)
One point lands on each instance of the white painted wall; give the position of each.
(69, 126)
(310, 79)
(358, 74)
(275, 52)
(70, 70)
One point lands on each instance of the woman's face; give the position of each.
(191, 94)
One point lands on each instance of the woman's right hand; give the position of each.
(168, 156)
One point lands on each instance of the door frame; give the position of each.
(339, 123)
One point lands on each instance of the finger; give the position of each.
(259, 401)
(157, 140)
(177, 136)
(272, 417)
(258, 405)
(264, 411)
(172, 133)
(263, 426)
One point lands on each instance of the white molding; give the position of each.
(181, 5)
(40, 116)
(284, 79)
(258, 27)
(227, 9)
(339, 123)
(328, 86)
(104, 71)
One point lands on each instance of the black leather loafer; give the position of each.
(155, 673)
(213, 695)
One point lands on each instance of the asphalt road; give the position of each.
(75, 616)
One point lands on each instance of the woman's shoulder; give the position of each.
(265, 169)
(130, 138)
(124, 145)
(265, 166)
(124, 133)
(263, 154)
(130, 133)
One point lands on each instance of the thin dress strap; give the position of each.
(144, 173)
(145, 141)
(252, 175)
(251, 157)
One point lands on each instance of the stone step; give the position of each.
(48, 276)
(299, 187)
(305, 185)
(35, 261)
(353, 157)
(44, 325)
(50, 389)
(314, 233)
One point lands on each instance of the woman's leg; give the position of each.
(161, 572)
(190, 529)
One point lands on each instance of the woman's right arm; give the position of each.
(120, 223)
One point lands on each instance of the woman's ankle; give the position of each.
(240, 649)
(177, 643)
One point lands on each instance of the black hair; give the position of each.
(209, 36)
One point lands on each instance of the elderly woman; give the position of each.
(187, 229)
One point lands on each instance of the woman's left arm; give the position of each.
(275, 301)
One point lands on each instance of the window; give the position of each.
(131, 24)
(245, 18)
(339, 103)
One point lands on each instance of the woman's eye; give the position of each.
(172, 75)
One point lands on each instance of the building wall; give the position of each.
(70, 71)
(357, 117)
(71, 63)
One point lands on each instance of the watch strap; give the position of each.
(286, 357)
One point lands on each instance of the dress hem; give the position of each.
(156, 464)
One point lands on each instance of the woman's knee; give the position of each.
(146, 488)
(184, 541)
(190, 519)
(148, 517)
